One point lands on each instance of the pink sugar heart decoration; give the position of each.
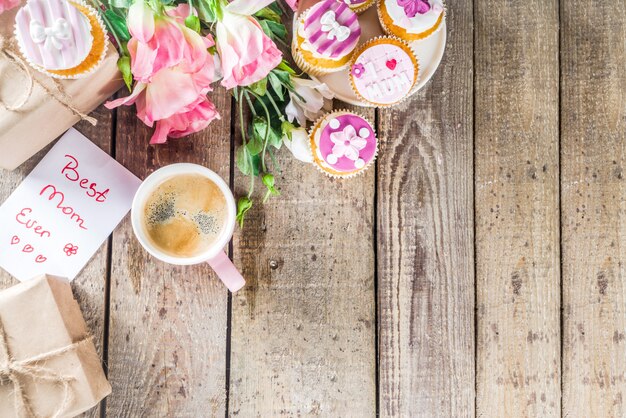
(28, 248)
(40, 259)
(391, 64)
(15, 240)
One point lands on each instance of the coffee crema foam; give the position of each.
(185, 215)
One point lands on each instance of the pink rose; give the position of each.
(173, 70)
(8, 4)
(246, 52)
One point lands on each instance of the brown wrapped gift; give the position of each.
(48, 363)
(32, 115)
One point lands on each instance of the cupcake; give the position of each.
(358, 6)
(61, 38)
(343, 144)
(411, 20)
(383, 71)
(325, 38)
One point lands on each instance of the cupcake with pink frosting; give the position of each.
(343, 144)
(325, 37)
(62, 38)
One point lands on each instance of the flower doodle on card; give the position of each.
(70, 249)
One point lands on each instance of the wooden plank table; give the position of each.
(478, 270)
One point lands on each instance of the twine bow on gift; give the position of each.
(50, 35)
(14, 371)
(57, 92)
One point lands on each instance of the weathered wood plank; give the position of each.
(89, 286)
(425, 240)
(517, 208)
(303, 328)
(167, 342)
(593, 155)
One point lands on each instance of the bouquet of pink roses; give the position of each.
(173, 52)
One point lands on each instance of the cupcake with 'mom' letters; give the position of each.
(411, 20)
(61, 38)
(325, 37)
(384, 71)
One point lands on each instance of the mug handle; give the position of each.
(227, 272)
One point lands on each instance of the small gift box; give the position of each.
(48, 363)
(35, 108)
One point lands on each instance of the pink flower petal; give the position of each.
(140, 21)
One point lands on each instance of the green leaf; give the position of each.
(259, 131)
(254, 145)
(123, 64)
(266, 28)
(243, 206)
(193, 23)
(269, 14)
(243, 161)
(118, 25)
(120, 4)
(284, 77)
(260, 87)
(277, 85)
(285, 67)
(209, 11)
(278, 29)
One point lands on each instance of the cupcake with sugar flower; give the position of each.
(343, 144)
(411, 20)
(325, 37)
(61, 38)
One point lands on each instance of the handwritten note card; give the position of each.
(64, 210)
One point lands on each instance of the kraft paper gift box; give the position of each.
(42, 118)
(48, 363)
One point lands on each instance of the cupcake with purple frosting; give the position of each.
(326, 36)
(343, 144)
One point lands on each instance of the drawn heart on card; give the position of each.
(27, 248)
(391, 64)
(15, 240)
(40, 259)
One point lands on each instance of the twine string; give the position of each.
(57, 92)
(15, 371)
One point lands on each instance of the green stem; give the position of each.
(250, 103)
(280, 114)
(243, 136)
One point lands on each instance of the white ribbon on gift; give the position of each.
(50, 35)
(334, 29)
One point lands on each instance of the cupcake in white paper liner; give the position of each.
(64, 39)
(384, 71)
(325, 37)
(343, 144)
(411, 20)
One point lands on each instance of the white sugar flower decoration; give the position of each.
(309, 101)
(347, 144)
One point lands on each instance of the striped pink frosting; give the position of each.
(321, 39)
(68, 48)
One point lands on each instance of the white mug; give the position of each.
(215, 255)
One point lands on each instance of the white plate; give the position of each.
(429, 52)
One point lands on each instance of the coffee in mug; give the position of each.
(185, 214)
